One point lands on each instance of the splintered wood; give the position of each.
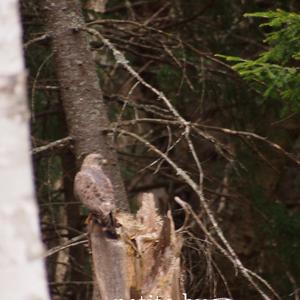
(143, 261)
(96, 5)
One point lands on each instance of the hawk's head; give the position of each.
(94, 159)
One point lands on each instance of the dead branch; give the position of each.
(78, 240)
(56, 146)
(252, 135)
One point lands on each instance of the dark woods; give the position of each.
(140, 82)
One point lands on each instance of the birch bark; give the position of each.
(22, 274)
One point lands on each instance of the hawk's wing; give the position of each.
(95, 191)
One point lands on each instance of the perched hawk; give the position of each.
(94, 189)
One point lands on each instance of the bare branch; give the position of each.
(56, 145)
(248, 134)
(78, 240)
(35, 40)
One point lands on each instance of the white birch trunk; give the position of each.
(22, 274)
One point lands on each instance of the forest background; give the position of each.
(200, 83)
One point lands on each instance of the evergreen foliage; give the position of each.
(275, 73)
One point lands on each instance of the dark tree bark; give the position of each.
(79, 88)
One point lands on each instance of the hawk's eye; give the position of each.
(104, 161)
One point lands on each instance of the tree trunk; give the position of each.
(22, 274)
(79, 88)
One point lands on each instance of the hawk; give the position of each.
(94, 189)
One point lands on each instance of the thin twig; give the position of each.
(78, 240)
(254, 136)
(234, 259)
(35, 83)
(35, 40)
(57, 145)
